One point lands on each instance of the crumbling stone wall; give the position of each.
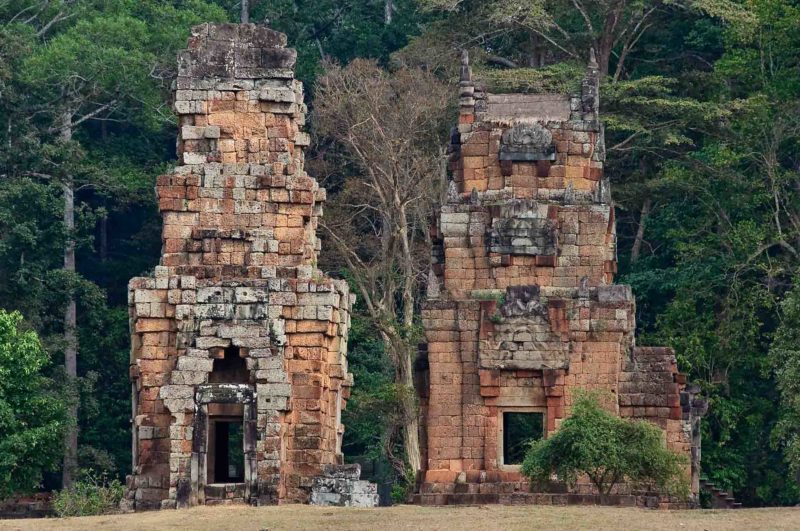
(521, 308)
(237, 274)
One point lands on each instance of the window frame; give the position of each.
(501, 431)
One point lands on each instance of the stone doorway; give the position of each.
(225, 455)
(225, 440)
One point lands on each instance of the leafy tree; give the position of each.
(608, 450)
(84, 75)
(722, 244)
(335, 29)
(547, 31)
(390, 126)
(368, 414)
(785, 354)
(32, 414)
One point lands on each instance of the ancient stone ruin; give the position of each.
(521, 307)
(238, 357)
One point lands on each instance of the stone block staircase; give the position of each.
(719, 498)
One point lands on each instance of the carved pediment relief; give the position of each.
(523, 301)
(523, 228)
(527, 142)
(525, 343)
(521, 335)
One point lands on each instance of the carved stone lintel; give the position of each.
(523, 300)
(527, 142)
(224, 393)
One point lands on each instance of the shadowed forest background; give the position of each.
(701, 101)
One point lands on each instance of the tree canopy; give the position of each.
(702, 128)
(32, 413)
(609, 450)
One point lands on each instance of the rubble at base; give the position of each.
(340, 486)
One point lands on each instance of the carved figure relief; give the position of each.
(521, 301)
(522, 336)
(522, 228)
(527, 142)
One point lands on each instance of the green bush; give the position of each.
(609, 450)
(32, 410)
(93, 494)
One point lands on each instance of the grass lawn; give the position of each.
(243, 518)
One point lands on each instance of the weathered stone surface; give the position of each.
(521, 308)
(237, 320)
(339, 486)
(527, 142)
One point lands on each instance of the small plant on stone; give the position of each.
(92, 494)
(488, 295)
(607, 449)
(403, 488)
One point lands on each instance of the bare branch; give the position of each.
(85, 117)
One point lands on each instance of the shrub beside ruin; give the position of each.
(608, 450)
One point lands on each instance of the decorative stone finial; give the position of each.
(590, 87)
(569, 194)
(466, 71)
(583, 288)
(452, 192)
(433, 289)
(592, 58)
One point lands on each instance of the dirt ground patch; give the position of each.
(241, 518)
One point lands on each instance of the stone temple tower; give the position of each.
(521, 308)
(238, 358)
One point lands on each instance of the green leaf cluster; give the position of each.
(91, 495)
(607, 449)
(32, 412)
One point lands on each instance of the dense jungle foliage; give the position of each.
(701, 102)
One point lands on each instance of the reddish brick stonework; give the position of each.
(521, 307)
(237, 325)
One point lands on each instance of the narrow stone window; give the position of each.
(519, 429)
(231, 368)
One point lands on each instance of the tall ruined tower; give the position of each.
(238, 341)
(521, 308)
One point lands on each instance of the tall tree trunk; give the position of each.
(535, 52)
(104, 238)
(401, 352)
(411, 415)
(603, 56)
(70, 320)
(637, 242)
(605, 43)
(388, 11)
(244, 14)
(405, 371)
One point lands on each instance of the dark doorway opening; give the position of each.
(226, 451)
(230, 368)
(519, 430)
